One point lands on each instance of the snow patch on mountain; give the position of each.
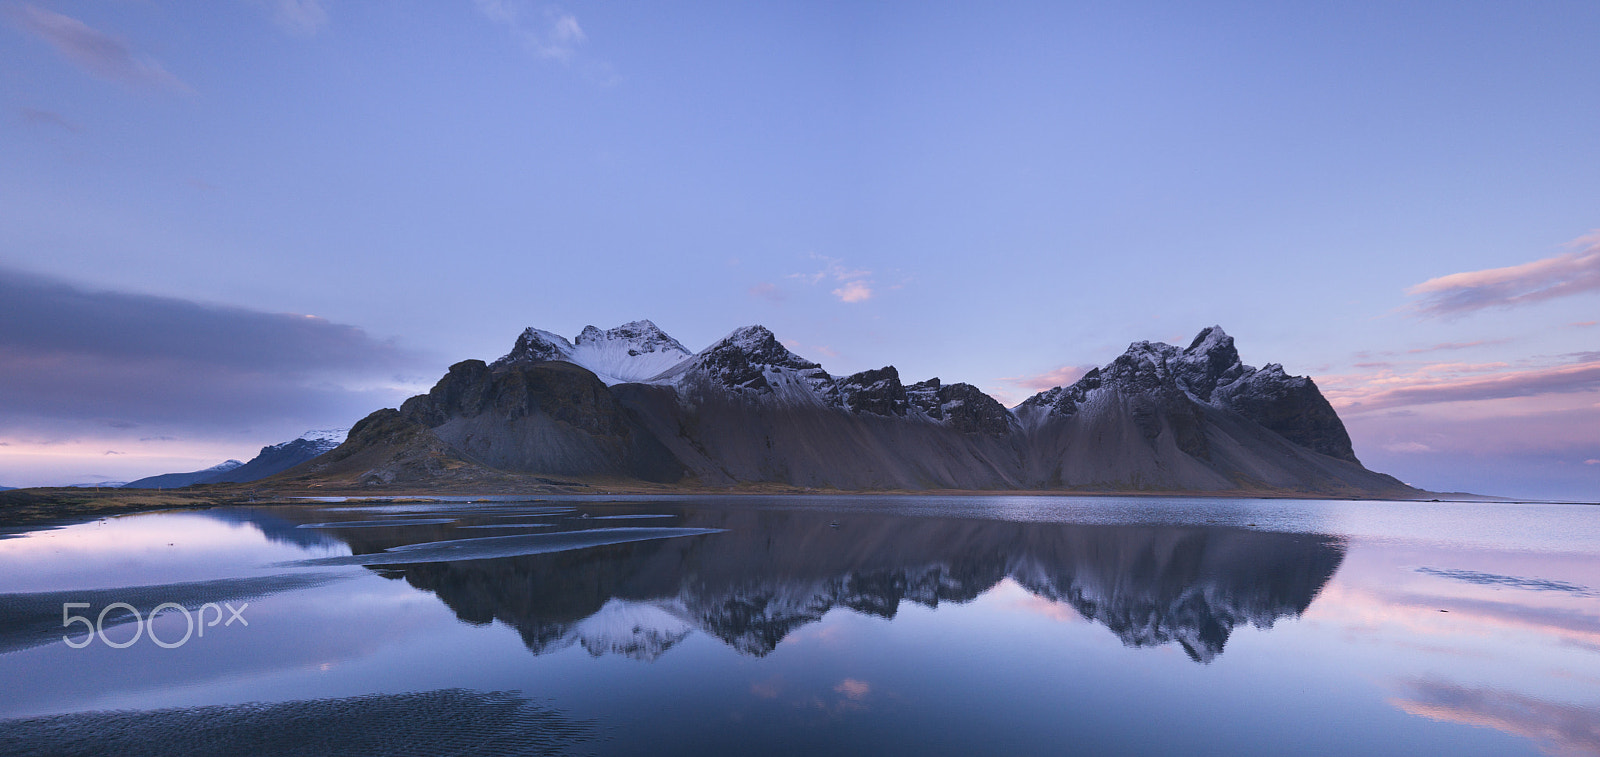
(630, 353)
(751, 362)
(638, 630)
(323, 438)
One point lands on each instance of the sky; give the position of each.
(223, 223)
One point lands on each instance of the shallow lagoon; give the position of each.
(799, 625)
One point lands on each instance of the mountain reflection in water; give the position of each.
(774, 572)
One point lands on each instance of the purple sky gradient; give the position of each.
(1397, 199)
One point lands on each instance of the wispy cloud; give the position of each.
(300, 17)
(548, 32)
(1560, 728)
(1443, 346)
(1405, 447)
(51, 118)
(855, 284)
(94, 51)
(1560, 276)
(766, 290)
(1456, 382)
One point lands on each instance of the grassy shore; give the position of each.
(27, 509)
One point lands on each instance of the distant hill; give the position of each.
(175, 480)
(272, 459)
(633, 403)
(281, 457)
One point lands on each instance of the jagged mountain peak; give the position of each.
(634, 351)
(877, 391)
(1208, 372)
(537, 346)
(752, 359)
(875, 375)
(758, 345)
(642, 335)
(962, 407)
(1210, 360)
(1210, 339)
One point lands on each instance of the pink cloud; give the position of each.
(854, 291)
(1066, 375)
(1549, 427)
(1559, 276)
(855, 284)
(853, 688)
(1560, 728)
(1456, 382)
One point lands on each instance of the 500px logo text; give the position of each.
(144, 626)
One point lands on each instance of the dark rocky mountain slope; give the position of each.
(748, 410)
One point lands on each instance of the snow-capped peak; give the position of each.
(224, 466)
(1209, 340)
(537, 346)
(631, 352)
(751, 359)
(644, 336)
(628, 353)
(760, 346)
(1209, 362)
(327, 437)
(640, 630)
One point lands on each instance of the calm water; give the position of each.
(788, 625)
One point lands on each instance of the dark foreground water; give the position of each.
(800, 625)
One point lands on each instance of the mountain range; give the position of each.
(272, 459)
(633, 404)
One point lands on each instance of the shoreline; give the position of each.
(26, 510)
